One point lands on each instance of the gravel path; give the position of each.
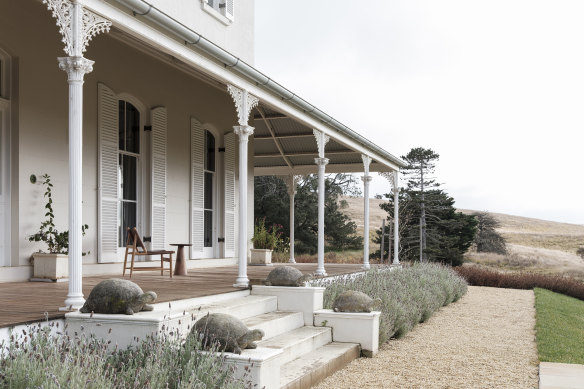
(485, 340)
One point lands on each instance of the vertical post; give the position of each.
(395, 218)
(321, 161)
(244, 103)
(291, 183)
(243, 132)
(366, 180)
(382, 240)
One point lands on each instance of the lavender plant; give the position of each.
(41, 359)
(409, 295)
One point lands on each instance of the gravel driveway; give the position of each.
(485, 340)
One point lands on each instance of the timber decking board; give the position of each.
(25, 302)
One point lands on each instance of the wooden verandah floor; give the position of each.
(25, 302)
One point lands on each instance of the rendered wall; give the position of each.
(237, 37)
(43, 114)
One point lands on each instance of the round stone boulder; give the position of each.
(116, 296)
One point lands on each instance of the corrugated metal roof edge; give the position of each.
(144, 9)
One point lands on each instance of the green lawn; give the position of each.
(560, 327)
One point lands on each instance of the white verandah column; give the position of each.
(78, 26)
(244, 103)
(395, 217)
(366, 180)
(291, 184)
(321, 161)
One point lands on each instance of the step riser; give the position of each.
(305, 346)
(244, 310)
(280, 326)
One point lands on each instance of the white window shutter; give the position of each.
(158, 121)
(230, 211)
(108, 174)
(229, 9)
(197, 188)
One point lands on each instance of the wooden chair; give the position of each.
(135, 247)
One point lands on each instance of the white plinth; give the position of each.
(260, 366)
(305, 299)
(362, 328)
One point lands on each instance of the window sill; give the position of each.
(213, 12)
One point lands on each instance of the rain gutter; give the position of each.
(153, 14)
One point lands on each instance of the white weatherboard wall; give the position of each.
(42, 106)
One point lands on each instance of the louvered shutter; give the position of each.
(158, 120)
(108, 174)
(229, 9)
(197, 188)
(230, 212)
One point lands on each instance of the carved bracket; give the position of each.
(366, 162)
(244, 103)
(392, 177)
(76, 24)
(321, 141)
(291, 183)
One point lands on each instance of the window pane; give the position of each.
(128, 216)
(209, 151)
(132, 129)
(208, 229)
(122, 124)
(208, 190)
(129, 174)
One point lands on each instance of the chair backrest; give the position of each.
(134, 240)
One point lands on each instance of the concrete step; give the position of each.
(241, 307)
(298, 342)
(309, 369)
(275, 323)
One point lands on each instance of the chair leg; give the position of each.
(170, 264)
(161, 264)
(132, 265)
(125, 261)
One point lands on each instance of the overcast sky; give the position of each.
(495, 87)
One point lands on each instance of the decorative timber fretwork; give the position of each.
(76, 24)
(366, 163)
(321, 141)
(244, 103)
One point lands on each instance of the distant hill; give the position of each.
(533, 244)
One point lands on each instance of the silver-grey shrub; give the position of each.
(39, 359)
(410, 295)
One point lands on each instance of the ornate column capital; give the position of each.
(366, 179)
(321, 141)
(76, 24)
(366, 162)
(243, 131)
(75, 67)
(321, 161)
(244, 103)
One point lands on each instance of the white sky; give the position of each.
(495, 87)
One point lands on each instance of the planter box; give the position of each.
(305, 299)
(261, 257)
(50, 267)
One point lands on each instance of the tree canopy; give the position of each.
(271, 201)
(430, 228)
(487, 239)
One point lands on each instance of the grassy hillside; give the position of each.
(535, 245)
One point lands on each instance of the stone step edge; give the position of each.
(323, 362)
(162, 312)
(290, 321)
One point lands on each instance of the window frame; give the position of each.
(220, 13)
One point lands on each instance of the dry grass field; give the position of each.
(534, 245)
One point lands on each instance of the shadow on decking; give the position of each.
(26, 302)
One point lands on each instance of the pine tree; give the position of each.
(487, 239)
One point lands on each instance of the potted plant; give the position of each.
(264, 241)
(51, 265)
